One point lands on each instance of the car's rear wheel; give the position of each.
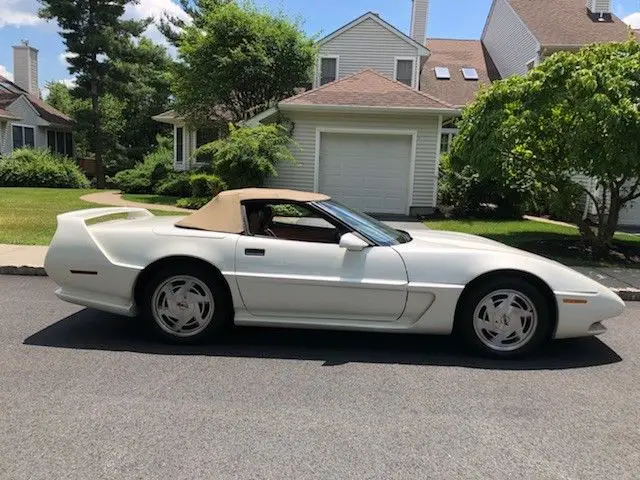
(505, 317)
(186, 304)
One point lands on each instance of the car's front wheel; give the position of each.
(505, 317)
(186, 304)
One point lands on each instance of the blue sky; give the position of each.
(447, 18)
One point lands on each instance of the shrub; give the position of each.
(144, 177)
(193, 202)
(249, 155)
(175, 185)
(203, 185)
(470, 195)
(28, 167)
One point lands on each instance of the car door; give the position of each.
(316, 280)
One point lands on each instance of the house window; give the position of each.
(204, 136)
(60, 142)
(404, 71)
(446, 139)
(328, 70)
(448, 133)
(23, 136)
(179, 144)
(531, 65)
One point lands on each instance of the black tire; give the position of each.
(538, 335)
(220, 319)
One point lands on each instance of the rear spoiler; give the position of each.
(82, 216)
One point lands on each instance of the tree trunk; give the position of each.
(608, 224)
(97, 132)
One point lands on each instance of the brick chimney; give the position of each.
(25, 67)
(419, 13)
(599, 7)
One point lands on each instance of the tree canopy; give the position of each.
(235, 59)
(99, 40)
(575, 116)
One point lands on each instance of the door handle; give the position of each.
(254, 252)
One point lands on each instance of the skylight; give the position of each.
(442, 73)
(470, 74)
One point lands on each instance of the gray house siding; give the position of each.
(29, 118)
(508, 40)
(301, 176)
(367, 45)
(4, 137)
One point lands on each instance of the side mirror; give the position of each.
(352, 243)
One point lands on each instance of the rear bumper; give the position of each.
(97, 301)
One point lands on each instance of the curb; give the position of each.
(626, 294)
(24, 270)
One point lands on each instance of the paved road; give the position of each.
(83, 395)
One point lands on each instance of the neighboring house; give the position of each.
(25, 119)
(519, 34)
(383, 104)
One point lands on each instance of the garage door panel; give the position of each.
(369, 172)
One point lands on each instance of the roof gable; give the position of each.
(557, 23)
(367, 89)
(422, 50)
(10, 92)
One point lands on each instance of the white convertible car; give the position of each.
(293, 259)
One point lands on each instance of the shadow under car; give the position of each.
(93, 330)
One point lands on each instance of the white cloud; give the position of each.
(633, 20)
(157, 10)
(6, 73)
(64, 56)
(19, 13)
(69, 82)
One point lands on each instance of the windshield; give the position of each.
(362, 223)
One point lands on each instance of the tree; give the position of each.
(112, 121)
(146, 93)
(96, 36)
(249, 155)
(574, 116)
(236, 59)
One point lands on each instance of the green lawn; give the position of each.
(28, 215)
(554, 241)
(150, 198)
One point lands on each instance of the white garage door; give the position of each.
(369, 172)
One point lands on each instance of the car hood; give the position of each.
(455, 240)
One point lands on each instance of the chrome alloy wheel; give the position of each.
(182, 306)
(505, 320)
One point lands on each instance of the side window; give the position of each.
(404, 71)
(290, 221)
(328, 70)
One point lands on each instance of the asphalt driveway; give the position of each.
(84, 395)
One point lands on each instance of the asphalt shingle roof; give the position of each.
(456, 55)
(46, 111)
(567, 23)
(367, 89)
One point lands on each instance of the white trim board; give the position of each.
(438, 153)
(368, 131)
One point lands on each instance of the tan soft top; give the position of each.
(223, 213)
